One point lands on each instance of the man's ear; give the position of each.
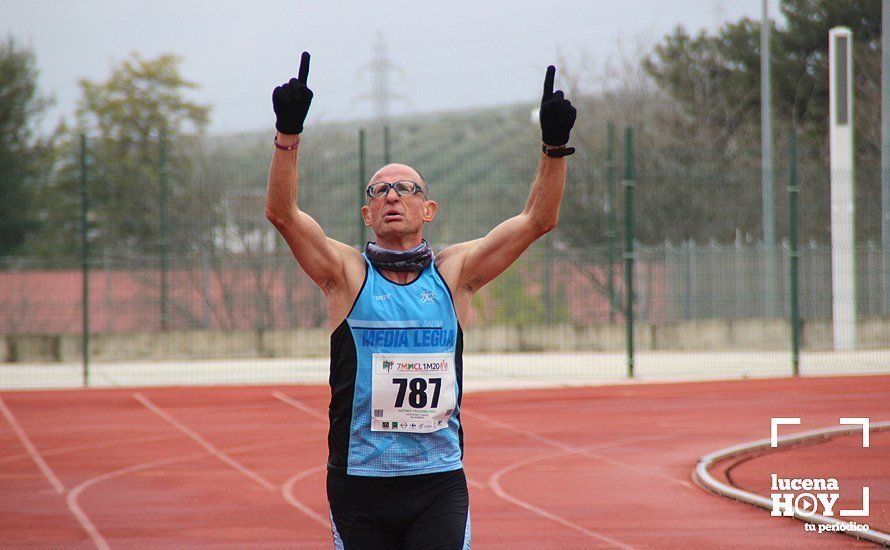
(366, 215)
(429, 210)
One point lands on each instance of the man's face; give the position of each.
(394, 216)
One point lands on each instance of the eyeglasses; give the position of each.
(380, 189)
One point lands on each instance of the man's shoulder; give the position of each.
(450, 261)
(348, 254)
(452, 255)
(353, 264)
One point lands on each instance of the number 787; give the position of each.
(416, 390)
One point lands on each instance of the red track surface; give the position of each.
(559, 468)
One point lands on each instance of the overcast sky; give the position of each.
(451, 55)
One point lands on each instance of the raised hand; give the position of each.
(291, 101)
(557, 116)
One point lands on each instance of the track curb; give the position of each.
(703, 478)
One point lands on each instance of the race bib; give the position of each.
(412, 392)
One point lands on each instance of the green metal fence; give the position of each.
(177, 261)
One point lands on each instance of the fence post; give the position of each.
(650, 301)
(669, 298)
(793, 253)
(611, 233)
(687, 279)
(361, 186)
(162, 225)
(85, 264)
(814, 279)
(738, 277)
(205, 289)
(873, 274)
(106, 279)
(714, 279)
(629, 248)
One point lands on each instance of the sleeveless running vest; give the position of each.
(396, 380)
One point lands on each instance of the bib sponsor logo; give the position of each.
(419, 366)
(428, 297)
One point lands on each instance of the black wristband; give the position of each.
(557, 151)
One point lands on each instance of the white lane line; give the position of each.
(287, 493)
(81, 516)
(597, 456)
(209, 447)
(494, 481)
(75, 493)
(299, 405)
(32, 450)
(287, 488)
(89, 447)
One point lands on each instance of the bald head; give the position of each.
(396, 172)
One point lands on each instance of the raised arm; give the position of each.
(319, 256)
(484, 259)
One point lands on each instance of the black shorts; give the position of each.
(429, 511)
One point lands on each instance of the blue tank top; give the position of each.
(396, 380)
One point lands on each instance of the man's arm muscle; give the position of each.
(319, 256)
(486, 258)
(478, 262)
(323, 259)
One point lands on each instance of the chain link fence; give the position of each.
(182, 264)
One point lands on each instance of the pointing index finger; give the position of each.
(303, 75)
(548, 82)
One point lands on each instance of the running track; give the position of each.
(594, 467)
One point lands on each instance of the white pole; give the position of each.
(766, 163)
(843, 253)
(885, 150)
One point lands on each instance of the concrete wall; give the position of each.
(707, 335)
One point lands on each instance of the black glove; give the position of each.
(291, 101)
(557, 116)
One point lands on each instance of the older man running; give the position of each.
(395, 472)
